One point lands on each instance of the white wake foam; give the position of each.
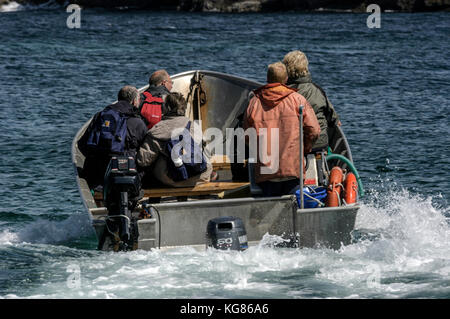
(403, 252)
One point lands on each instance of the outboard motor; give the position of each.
(226, 233)
(121, 192)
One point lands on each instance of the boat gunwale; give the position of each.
(211, 73)
(245, 200)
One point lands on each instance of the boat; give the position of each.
(183, 216)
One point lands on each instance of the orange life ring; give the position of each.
(334, 187)
(350, 188)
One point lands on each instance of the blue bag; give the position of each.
(312, 197)
(187, 168)
(108, 132)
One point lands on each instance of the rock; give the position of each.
(240, 6)
(247, 6)
(437, 5)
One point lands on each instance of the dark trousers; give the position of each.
(279, 188)
(94, 170)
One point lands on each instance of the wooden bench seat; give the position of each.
(220, 162)
(202, 189)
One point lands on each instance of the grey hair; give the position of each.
(128, 93)
(296, 64)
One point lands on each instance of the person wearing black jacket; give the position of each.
(96, 163)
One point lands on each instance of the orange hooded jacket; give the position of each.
(276, 106)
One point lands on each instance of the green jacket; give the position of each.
(325, 113)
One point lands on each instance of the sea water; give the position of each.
(389, 85)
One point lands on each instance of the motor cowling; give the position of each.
(121, 192)
(121, 176)
(227, 233)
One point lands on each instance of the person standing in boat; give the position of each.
(276, 106)
(152, 106)
(156, 157)
(99, 155)
(300, 78)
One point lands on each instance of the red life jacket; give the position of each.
(151, 109)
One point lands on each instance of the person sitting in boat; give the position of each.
(300, 78)
(161, 151)
(152, 100)
(275, 106)
(96, 143)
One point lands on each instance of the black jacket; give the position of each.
(136, 128)
(95, 164)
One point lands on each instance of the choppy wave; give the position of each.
(399, 246)
(400, 250)
(45, 231)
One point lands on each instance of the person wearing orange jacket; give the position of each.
(275, 109)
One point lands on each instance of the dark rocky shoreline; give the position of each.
(242, 6)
